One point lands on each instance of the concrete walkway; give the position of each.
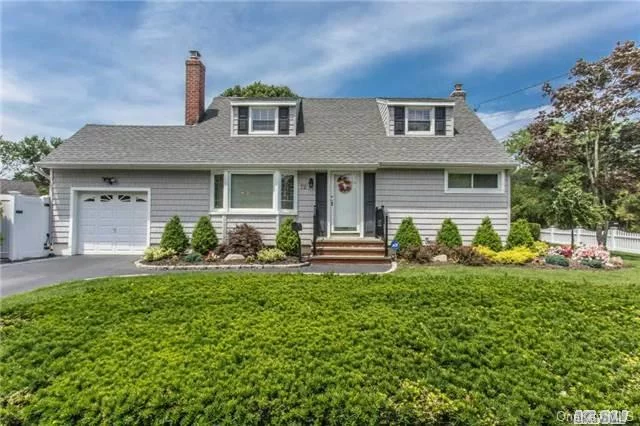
(24, 276)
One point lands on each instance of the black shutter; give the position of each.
(441, 122)
(398, 120)
(243, 120)
(283, 120)
(321, 202)
(369, 204)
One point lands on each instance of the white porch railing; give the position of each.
(627, 242)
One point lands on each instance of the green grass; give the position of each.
(459, 345)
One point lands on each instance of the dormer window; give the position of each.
(262, 120)
(419, 120)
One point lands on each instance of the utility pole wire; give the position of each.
(506, 95)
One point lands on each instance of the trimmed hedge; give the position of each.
(204, 238)
(519, 234)
(487, 236)
(286, 239)
(173, 236)
(449, 235)
(407, 234)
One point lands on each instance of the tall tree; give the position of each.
(18, 159)
(575, 207)
(597, 137)
(259, 90)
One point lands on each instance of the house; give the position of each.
(257, 161)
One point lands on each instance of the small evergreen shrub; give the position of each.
(287, 239)
(534, 228)
(204, 238)
(271, 255)
(152, 254)
(487, 236)
(194, 257)
(449, 235)
(173, 236)
(407, 234)
(245, 240)
(556, 259)
(519, 234)
(592, 263)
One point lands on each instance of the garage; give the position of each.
(112, 222)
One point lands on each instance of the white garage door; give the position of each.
(112, 222)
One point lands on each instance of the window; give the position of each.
(218, 191)
(105, 198)
(419, 120)
(263, 120)
(287, 190)
(472, 181)
(251, 191)
(124, 198)
(90, 199)
(141, 200)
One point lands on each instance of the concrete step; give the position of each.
(367, 250)
(350, 243)
(349, 259)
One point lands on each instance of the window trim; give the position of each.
(499, 190)
(430, 132)
(226, 194)
(263, 132)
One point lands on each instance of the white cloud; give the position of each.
(503, 123)
(11, 90)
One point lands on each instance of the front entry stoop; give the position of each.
(349, 250)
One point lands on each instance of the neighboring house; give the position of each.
(257, 161)
(22, 186)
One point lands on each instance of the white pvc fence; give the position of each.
(617, 240)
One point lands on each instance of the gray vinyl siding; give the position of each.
(306, 201)
(384, 113)
(390, 124)
(182, 193)
(292, 120)
(421, 195)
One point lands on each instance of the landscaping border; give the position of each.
(205, 267)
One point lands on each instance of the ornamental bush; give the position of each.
(488, 254)
(245, 240)
(449, 235)
(287, 239)
(556, 259)
(152, 254)
(515, 256)
(487, 236)
(407, 234)
(173, 236)
(270, 255)
(519, 234)
(534, 228)
(204, 238)
(194, 257)
(540, 247)
(466, 255)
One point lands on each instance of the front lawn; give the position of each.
(424, 345)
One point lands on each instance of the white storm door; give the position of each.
(346, 206)
(112, 223)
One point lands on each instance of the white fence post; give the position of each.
(616, 240)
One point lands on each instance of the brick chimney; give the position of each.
(458, 92)
(194, 89)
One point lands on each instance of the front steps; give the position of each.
(350, 250)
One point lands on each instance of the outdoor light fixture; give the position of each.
(109, 180)
(311, 183)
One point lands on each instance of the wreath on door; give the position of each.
(344, 184)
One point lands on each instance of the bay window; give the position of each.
(269, 192)
(473, 182)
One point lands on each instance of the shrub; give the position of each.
(556, 259)
(597, 253)
(194, 257)
(270, 255)
(449, 235)
(515, 256)
(534, 229)
(287, 239)
(152, 254)
(488, 254)
(565, 251)
(407, 234)
(540, 247)
(418, 254)
(173, 236)
(466, 255)
(487, 236)
(204, 238)
(592, 263)
(519, 234)
(245, 240)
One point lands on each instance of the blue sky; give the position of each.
(65, 64)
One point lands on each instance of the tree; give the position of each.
(575, 207)
(18, 159)
(487, 236)
(258, 89)
(173, 236)
(627, 209)
(204, 238)
(589, 130)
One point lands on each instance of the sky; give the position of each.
(65, 64)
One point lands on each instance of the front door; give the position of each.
(346, 206)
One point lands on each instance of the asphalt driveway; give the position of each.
(24, 276)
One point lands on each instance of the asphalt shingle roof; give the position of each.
(335, 132)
